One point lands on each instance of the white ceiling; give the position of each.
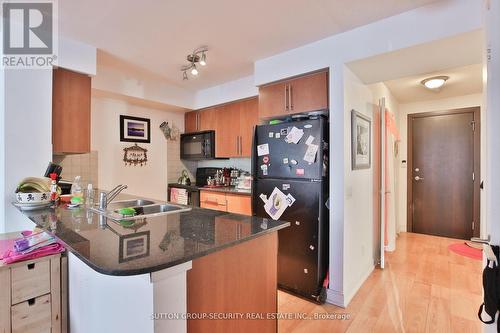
(457, 51)
(463, 81)
(157, 35)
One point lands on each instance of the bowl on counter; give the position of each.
(33, 197)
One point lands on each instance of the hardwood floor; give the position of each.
(424, 288)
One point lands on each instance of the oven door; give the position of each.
(198, 146)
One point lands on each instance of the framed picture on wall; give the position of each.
(134, 246)
(361, 144)
(135, 129)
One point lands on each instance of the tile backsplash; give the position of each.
(84, 165)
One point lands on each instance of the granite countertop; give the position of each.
(152, 243)
(228, 189)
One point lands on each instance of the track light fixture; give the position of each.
(199, 56)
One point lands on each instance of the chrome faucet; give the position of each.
(106, 198)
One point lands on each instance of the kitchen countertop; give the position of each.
(153, 243)
(229, 189)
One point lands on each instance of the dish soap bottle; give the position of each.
(76, 189)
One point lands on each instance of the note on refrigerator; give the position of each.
(310, 155)
(294, 135)
(263, 149)
(276, 204)
(309, 140)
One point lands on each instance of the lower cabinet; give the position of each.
(32, 297)
(226, 202)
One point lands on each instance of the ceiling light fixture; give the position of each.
(435, 83)
(203, 60)
(199, 56)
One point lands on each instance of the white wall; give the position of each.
(28, 134)
(358, 206)
(227, 92)
(433, 22)
(163, 156)
(27, 139)
(418, 107)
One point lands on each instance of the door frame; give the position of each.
(476, 111)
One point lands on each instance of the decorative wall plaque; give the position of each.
(135, 155)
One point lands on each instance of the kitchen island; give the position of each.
(198, 270)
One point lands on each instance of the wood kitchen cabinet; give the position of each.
(249, 118)
(226, 202)
(235, 125)
(201, 120)
(71, 93)
(299, 95)
(191, 122)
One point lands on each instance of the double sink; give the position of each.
(143, 208)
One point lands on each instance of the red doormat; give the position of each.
(467, 251)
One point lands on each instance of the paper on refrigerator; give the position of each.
(276, 204)
(294, 135)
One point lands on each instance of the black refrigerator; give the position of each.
(290, 171)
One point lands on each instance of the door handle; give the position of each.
(417, 178)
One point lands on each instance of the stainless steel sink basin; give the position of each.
(129, 203)
(154, 209)
(143, 208)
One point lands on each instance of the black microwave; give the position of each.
(198, 145)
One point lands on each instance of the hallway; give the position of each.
(424, 288)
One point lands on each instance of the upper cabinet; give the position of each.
(201, 120)
(233, 124)
(299, 95)
(70, 112)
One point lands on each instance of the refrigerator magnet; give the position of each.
(277, 135)
(294, 162)
(290, 199)
(285, 187)
(285, 160)
(299, 172)
(284, 131)
(265, 159)
(271, 134)
(263, 149)
(308, 126)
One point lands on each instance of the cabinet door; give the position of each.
(208, 120)
(228, 129)
(191, 121)
(308, 93)
(213, 200)
(273, 100)
(249, 118)
(239, 204)
(70, 112)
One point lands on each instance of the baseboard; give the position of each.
(335, 297)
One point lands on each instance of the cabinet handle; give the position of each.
(198, 121)
(286, 97)
(241, 145)
(290, 96)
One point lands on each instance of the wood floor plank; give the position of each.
(424, 288)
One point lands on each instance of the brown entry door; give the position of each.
(442, 173)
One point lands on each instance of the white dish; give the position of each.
(32, 198)
(32, 206)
